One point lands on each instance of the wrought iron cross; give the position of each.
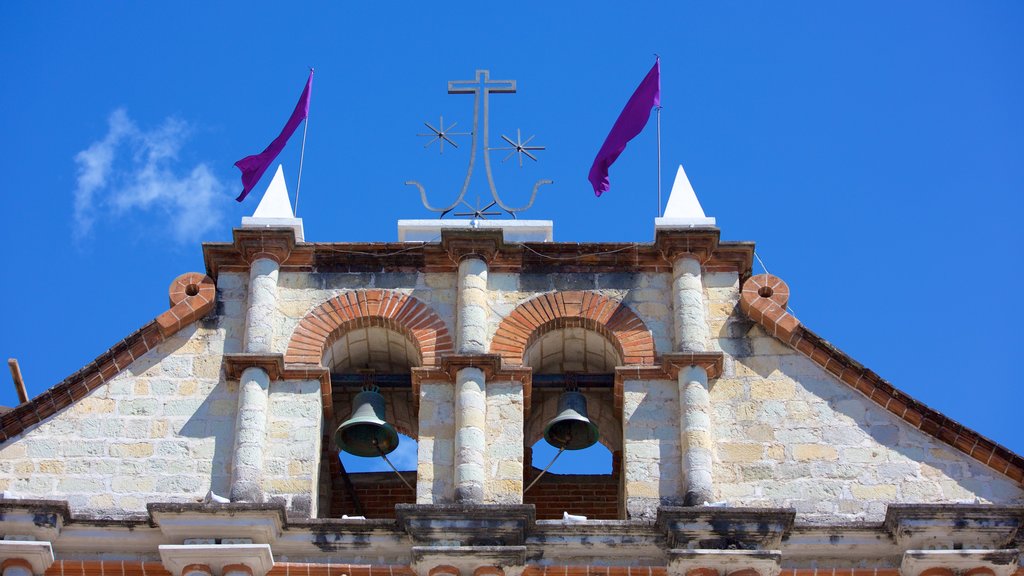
(481, 88)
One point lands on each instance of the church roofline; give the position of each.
(192, 296)
(571, 257)
(763, 299)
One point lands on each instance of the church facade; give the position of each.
(743, 443)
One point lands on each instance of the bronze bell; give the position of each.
(571, 429)
(366, 433)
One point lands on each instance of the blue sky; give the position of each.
(871, 149)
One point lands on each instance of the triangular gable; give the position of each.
(763, 299)
(192, 296)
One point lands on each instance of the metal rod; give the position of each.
(302, 155)
(385, 457)
(19, 384)
(562, 449)
(356, 504)
(659, 162)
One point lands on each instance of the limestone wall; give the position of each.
(161, 430)
(650, 447)
(291, 459)
(504, 433)
(435, 474)
(788, 433)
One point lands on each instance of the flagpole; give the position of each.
(302, 156)
(659, 163)
(657, 57)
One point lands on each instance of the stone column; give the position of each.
(250, 431)
(695, 429)
(264, 250)
(691, 331)
(471, 331)
(472, 250)
(691, 327)
(262, 305)
(470, 442)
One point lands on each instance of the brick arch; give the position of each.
(390, 309)
(555, 310)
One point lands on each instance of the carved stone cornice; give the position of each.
(461, 244)
(235, 364)
(721, 528)
(711, 362)
(964, 526)
(490, 364)
(273, 243)
(701, 243)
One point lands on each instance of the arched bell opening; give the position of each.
(374, 413)
(573, 394)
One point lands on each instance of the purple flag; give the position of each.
(254, 166)
(630, 122)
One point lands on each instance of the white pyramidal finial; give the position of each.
(275, 202)
(683, 209)
(275, 209)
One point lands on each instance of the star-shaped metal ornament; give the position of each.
(519, 147)
(442, 134)
(478, 212)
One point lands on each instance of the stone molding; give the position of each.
(965, 526)
(699, 242)
(710, 362)
(274, 244)
(466, 525)
(257, 557)
(235, 364)
(960, 562)
(711, 562)
(712, 527)
(261, 523)
(38, 519)
(569, 309)
(763, 299)
(38, 555)
(469, 560)
(492, 365)
(536, 257)
(462, 244)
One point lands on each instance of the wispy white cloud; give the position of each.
(130, 170)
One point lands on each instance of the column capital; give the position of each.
(462, 244)
(274, 244)
(235, 364)
(490, 364)
(699, 243)
(32, 555)
(256, 558)
(710, 362)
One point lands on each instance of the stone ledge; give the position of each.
(994, 562)
(39, 555)
(712, 527)
(967, 526)
(257, 557)
(468, 560)
(467, 524)
(39, 519)
(723, 562)
(262, 523)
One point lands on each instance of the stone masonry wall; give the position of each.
(435, 478)
(291, 456)
(650, 453)
(301, 292)
(504, 433)
(787, 433)
(161, 430)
